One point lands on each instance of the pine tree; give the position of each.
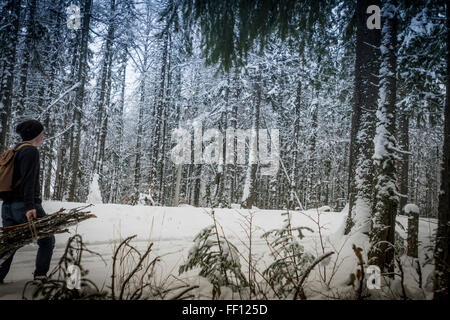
(104, 91)
(441, 252)
(10, 25)
(249, 193)
(365, 95)
(386, 188)
(80, 95)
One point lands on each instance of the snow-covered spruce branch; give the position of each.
(290, 259)
(218, 260)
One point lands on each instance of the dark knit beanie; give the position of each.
(29, 129)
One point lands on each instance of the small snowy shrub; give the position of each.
(55, 287)
(218, 260)
(290, 259)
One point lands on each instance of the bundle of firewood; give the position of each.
(15, 237)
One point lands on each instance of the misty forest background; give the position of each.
(111, 92)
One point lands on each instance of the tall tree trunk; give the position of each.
(365, 94)
(176, 198)
(386, 189)
(26, 59)
(166, 104)
(46, 94)
(232, 167)
(9, 38)
(441, 254)
(159, 116)
(137, 166)
(143, 68)
(61, 179)
(118, 156)
(102, 147)
(79, 98)
(220, 198)
(404, 162)
(196, 181)
(249, 194)
(312, 164)
(48, 160)
(59, 174)
(162, 160)
(295, 146)
(413, 232)
(105, 90)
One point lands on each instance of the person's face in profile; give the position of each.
(39, 139)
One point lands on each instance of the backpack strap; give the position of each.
(21, 146)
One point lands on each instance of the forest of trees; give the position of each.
(360, 111)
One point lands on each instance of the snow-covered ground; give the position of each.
(172, 230)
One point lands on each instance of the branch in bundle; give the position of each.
(15, 237)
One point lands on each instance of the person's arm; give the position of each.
(29, 172)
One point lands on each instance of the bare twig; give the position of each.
(113, 276)
(182, 293)
(299, 288)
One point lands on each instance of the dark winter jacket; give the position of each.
(26, 170)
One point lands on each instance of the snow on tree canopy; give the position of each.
(411, 208)
(95, 195)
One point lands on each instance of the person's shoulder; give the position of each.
(27, 150)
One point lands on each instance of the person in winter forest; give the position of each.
(23, 202)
